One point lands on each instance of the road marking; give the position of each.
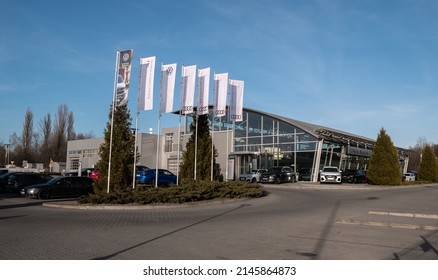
(409, 215)
(391, 225)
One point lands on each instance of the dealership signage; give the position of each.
(355, 151)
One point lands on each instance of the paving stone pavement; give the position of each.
(295, 221)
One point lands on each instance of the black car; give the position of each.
(18, 180)
(278, 174)
(4, 181)
(354, 176)
(85, 172)
(68, 186)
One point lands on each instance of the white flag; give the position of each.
(146, 91)
(188, 88)
(236, 104)
(220, 94)
(168, 74)
(203, 88)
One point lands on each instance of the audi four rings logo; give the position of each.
(169, 71)
(125, 57)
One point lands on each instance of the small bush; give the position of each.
(188, 191)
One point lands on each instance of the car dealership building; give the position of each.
(260, 140)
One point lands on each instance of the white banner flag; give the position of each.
(168, 74)
(236, 104)
(220, 94)
(146, 91)
(188, 89)
(203, 88)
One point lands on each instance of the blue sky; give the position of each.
(351, 65)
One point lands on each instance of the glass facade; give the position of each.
(260, 141)
(263, 140)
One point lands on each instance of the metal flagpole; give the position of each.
(212, 147)
(135, 149)
(179, 126)
(196, 146)
(196, 132)
(158, 151)
(227, 128)
(136, 131)
(212, 132)
(112, 120)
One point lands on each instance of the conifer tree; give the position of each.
(122, 154)
(203, 168)
(427, 171)
(384, 166)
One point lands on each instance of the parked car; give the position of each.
(95, 174)
(330, 174)
(278, 174)
(68, 186)
(353, 176)
(147, 177)
(85, 172)
(361, 176)
(4, 181)
(253, 176)
(139, 168)
(4, 171)
(408, 177)
(18, 180)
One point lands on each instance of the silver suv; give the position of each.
(330, 174)
(252, 177)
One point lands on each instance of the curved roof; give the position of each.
(327, 133)
(323, 132)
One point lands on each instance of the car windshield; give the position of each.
(330, 169)
(274, 169)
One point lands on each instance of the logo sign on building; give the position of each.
(355, 151)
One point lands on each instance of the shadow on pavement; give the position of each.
(170, 233)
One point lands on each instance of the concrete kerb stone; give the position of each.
(74, 204)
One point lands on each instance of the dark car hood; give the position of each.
(267, 174)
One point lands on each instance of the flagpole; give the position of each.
(136, 130)
(158, 129)
(179, 126)
(112, 120)
(212, 130)
(158, 151)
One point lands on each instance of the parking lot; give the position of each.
(302, 221)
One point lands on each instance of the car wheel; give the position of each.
(43, 194)
(277, 180)
(292, 179)
(253, 180)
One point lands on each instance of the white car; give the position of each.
(330, 174)
(409, 177)
(252, 177)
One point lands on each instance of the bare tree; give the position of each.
(27, 135)
(46, 131)
(71, 135)
(59, 143)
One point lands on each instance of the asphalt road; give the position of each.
(294, 221)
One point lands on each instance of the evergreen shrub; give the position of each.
(187, 191)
